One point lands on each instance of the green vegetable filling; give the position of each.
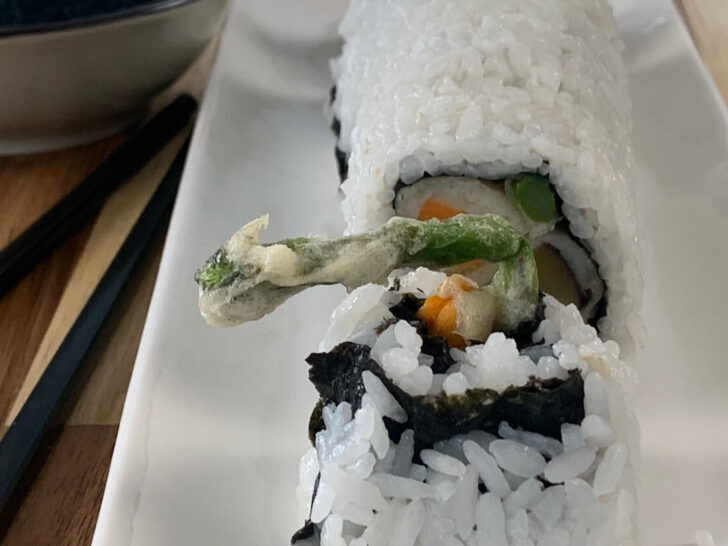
(249, 284)
(535, 196)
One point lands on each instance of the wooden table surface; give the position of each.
(58, 501)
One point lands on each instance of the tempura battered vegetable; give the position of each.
(245, 280)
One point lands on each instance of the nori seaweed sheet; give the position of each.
(539, 406)
(308, 534)
(434, 346)
(342, 162)
(600, 309)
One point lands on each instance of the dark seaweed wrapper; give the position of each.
(539, 406)
(308, 535)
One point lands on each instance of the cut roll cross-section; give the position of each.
(500, 442)
(565, 268)
(450, 412)
(516, 108)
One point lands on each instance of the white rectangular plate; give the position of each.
(215, 420)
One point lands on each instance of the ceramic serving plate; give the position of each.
(215, 420)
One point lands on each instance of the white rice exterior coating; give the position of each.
(443, 504)
(488, 88)
(379, 493)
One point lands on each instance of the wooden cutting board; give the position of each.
(59, 500)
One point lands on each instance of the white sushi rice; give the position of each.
(495, 364)
(487, 89)
(517, 488)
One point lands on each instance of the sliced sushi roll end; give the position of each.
(467, 442)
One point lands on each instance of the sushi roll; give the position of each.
(423, 436)
(450, 412)
(515, 108)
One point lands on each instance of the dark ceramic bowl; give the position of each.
(77, 70)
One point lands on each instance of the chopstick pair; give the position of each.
(25, 433)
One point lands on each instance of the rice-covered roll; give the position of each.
(515, 108)
(451, 412)
(433, 429)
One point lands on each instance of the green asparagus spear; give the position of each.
(245, 280)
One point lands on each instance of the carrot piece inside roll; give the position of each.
(432, 208)
(446, 313)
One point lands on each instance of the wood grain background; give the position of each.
(59, 499)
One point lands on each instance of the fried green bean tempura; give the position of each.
(245, 280)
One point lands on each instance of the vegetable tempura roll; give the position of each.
(432, 429)
(451, 412)
(515, 108)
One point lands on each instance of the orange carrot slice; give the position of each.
(432, 208)
(439, 313)
(431, 308)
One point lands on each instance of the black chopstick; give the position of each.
(22, 438)
(23, 253)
